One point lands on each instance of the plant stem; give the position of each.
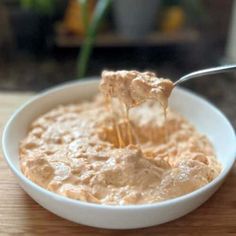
(84, 56)
(84, 11)
(90, 37)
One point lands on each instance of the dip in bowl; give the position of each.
(207, 120)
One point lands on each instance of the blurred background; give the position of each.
(47, 42)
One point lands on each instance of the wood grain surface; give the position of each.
(20, 215)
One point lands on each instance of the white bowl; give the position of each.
(207, 119)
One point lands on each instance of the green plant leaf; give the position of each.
(84, 8)
(26, 4)
(91, 32)
(40, 6)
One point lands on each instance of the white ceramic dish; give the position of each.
(201, 113)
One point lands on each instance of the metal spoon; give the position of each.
(209, 71)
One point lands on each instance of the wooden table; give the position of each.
(20, 215)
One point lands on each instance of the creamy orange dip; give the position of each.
(74, 150)
(133, 87)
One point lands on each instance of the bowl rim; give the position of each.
(90, 80)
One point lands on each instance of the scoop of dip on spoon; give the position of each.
(133, 87)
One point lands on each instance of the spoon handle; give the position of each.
(209, 71)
